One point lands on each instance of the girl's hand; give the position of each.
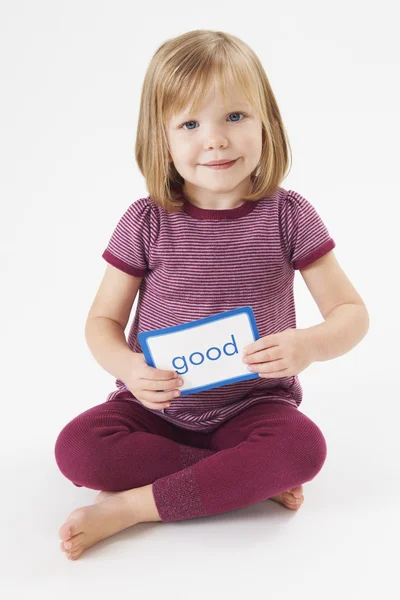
(155, 388)
(280, 354)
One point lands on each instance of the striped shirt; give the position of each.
(199, 262)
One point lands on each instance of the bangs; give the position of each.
(198, 76)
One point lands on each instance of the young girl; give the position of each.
(207, 239)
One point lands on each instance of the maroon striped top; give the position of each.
(200, 262)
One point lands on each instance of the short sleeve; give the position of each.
(130, 244)
(304, 232)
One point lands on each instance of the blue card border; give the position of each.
(144, 336)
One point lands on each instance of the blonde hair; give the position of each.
(184, 68)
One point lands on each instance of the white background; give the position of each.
(71, 77)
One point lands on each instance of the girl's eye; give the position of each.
(190, 129)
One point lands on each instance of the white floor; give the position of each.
(341, 543)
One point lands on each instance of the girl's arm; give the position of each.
(343, 329)
(107, 343)
(108, 318)
(346, 319)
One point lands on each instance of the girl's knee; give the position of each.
(302, 445)
(69, 447)
(78, 435)
(314, 448)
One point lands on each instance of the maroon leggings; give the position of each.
(118, 445)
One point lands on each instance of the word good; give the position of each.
(213, 353)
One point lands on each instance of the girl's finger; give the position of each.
(275, 374)
(160, 385)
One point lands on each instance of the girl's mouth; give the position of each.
(221, 166)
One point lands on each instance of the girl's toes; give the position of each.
(293, 503)
(297, 492)
(68, 529)
(72, 544)
(75, 555)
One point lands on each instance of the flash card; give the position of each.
(207, 353)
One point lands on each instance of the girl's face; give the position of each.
(216, 133)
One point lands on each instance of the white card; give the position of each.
(207, 353)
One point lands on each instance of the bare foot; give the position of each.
(88, 525)
(103, 495)
(292, 499)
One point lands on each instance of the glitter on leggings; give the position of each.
(177, 496)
